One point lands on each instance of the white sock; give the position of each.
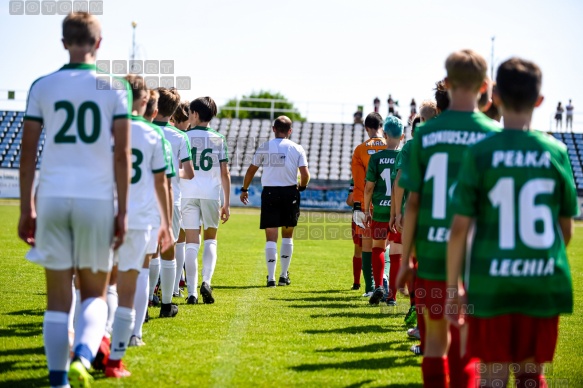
(123, 325)
(111, 306)
(286, 251)
(209, 260)
(56, 338)
(179, 254)
(77, 307)
(167, 276)
(271, 259)
(191, 261)
(154, 274)
(141, 300)
(89, 329)
(71, 323)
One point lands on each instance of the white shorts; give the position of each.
(73, 233)
(176, 222)
(200, 211)
(131, 253)
(153, 240)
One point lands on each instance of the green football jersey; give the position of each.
(516, 185)
(432, 170)
(380, 168)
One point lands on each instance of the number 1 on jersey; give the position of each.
(386, 175)
(437, 170)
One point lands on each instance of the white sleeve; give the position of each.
(258, 158)
(158, 157)
(123, 103)
(184, 153)
(33, 108)
(303, 160)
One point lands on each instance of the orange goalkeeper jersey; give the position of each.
(360, 159)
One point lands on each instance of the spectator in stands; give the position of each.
(569, 116)
(377, 104)
(391, 103)
(357, 117)
(413, 107)
(559, 116)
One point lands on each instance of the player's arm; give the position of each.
(397, 202)
(187, 170)
(30, 136)
(567, 228)
(165, 236)
(304, 176)
(251, 171)
(368, 189)
(226, 182)
(456, 251)
(350, 198)
(122, 167)
(408, 237)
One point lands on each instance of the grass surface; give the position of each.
(313, 333)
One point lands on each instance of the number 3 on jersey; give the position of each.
(139, 158)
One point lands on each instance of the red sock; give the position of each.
(356, 268)
(471, 371)
(113, 363)
(454, 359)
(378, 265)
(531, 380)
(435, 372)
(393, 272)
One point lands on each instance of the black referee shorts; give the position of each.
(280, 206)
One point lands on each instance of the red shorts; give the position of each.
(356, 234)
(513, 338)
(379, 230)
(395, 237)
(430, 297)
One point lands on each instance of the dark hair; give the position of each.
(137, 85)
(282, 124)
(518, 84)
(152, 104)
(466, 69)
(81, 28)
(416, 120)
(168, 101)
(181, 114)
(441, 96)
(205, 107)
(373, 120)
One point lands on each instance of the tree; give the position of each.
(229, 109)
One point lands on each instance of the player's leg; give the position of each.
(378, 265)
(112, 298)
(367, 262)
(131, 255)
(395, 258)
(168, 270)
(141, 300)
(179, 252)
(495, 374)
(356, 259)
(191, 217)
(271, 254)
(286, 252)
(270, 222)
(154, 276)
(210, 210)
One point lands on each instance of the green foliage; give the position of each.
(245, 114)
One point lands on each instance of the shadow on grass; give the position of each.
(355, 330)
(22, 352)
(22, 330)
(316, 299)
(360, 384)
(236, 287)
(323, 305)
(29, 382)
(368, 364)
(37, 312)
(370, 348)
(377, 314)
(325, 292)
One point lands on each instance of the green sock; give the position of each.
(367, 271)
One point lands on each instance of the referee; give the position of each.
(280, 199)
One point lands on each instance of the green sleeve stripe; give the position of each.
(128, 116)
(226, 160)
(171, 175)
(159, 170)
(186, 159)
(33, 118)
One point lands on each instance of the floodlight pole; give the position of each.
(134, 25)
(492, 60)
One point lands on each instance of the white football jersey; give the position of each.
(148, 158)
(209, 149)
(77, 107)
(180, 153)
(280, 159)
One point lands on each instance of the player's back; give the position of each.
(359, 165)
(209, 149)
(520, 183)
(180, 153)
(280, 159)
(380, 169)
(148, 158)
(432, 170)
(77, 110)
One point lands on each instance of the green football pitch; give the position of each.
(313, 333)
